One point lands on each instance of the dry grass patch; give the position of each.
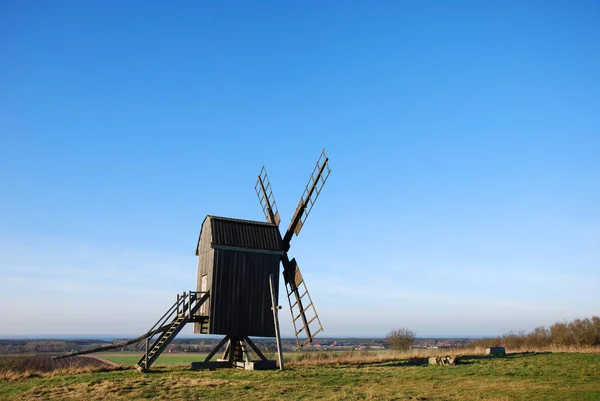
(415, 356)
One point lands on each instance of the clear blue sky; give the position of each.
(464, 139)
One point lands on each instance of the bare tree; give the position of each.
(400, 339)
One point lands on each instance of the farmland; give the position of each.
(129, 358)
(523, 376)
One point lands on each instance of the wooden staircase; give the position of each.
(175, 319)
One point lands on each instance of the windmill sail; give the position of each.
(309, 196)
(304, 314)
(266, 197)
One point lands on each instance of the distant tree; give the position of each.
(583, 332)
(400, 339)
(513, 340)
(596, 324)
(539, 337)
(561, 334)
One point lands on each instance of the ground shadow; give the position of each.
(471, 359)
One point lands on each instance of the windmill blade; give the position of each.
(266, 197)
(309, 196)
(304, 314)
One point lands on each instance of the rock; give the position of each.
(444, 360)
(495, 351)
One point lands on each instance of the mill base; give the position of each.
(236, 355)
(220, 364)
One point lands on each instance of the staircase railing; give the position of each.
(177, 316)
(177, 308)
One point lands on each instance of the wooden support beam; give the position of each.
(255, 348)
(275, 308)
(216, 349)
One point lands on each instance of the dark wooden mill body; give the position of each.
(235, 259)
(238, 285)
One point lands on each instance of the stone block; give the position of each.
(495, 351)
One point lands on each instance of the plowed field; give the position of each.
(45, 363)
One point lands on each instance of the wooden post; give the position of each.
(190, 305)
(275, 309)
(147, 346)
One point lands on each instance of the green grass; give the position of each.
(127, 359)
(130, 359)
(533, 376)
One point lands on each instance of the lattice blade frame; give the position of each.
(266, 198)
(304, 314)
(312, 190)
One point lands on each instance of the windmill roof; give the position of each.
(244, 233)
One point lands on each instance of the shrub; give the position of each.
(596, 328)
(400, 339)
(513, 340)
(579, 333)
(583, 332)
(560, 334)
(539, 337)
(486, 342)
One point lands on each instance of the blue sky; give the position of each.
(463, 138)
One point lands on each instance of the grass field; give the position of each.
(130, 359)
(524, 376)
(179, 358)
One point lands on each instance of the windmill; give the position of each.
(238, 285)
(239, 262)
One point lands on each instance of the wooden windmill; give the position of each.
(238, 285)
(238, 264)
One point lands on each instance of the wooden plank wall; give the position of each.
(205, 266)
(240, 294)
